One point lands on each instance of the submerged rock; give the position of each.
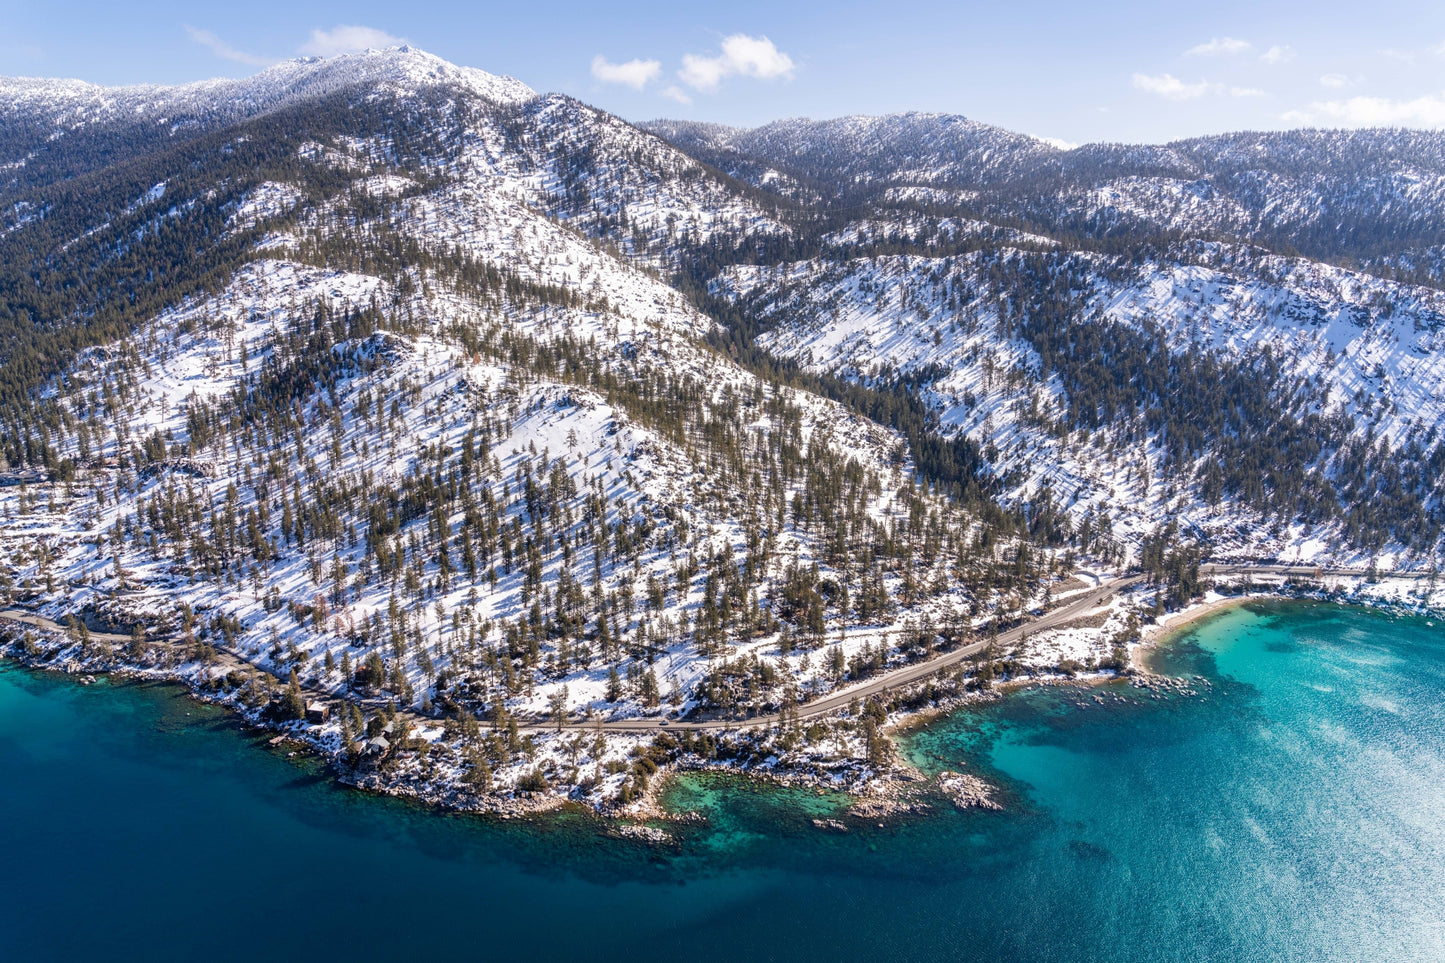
(646, 834)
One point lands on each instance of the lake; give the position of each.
(1292, 808)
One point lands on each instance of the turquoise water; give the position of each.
(1293, 809)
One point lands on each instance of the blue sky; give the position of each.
(1124, 71)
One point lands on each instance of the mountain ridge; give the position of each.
(308, 76)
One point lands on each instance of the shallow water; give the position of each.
(1292, 810)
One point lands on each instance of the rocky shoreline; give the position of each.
(895, 791)
(887, 791)
(49, 651)
(879, 793)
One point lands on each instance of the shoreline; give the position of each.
(895, 789)
(1174, 623)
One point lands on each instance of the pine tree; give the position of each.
(293, 705)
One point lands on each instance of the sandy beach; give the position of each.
(1175, 621)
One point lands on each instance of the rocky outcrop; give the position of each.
(967, 792)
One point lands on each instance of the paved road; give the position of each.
(1307, 571)
(887, 680)
(23, 617)
(913, 673)
(226, 660)
(229, 659)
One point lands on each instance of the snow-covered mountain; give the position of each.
(68, 105)
(849, 155)
(1367, 194)
(424, 386)
(392, 387)
(91, 126)
(1031, 293)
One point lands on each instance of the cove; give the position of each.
(1292, 809)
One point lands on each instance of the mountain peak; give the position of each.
(404, 66)
(402, 69)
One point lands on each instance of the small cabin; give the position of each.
(317, 712)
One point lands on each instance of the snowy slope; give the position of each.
(1375, 346)
(468, 333)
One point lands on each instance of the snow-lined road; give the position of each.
(886, 682)
(229, 659)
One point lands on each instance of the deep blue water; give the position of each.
(1292, 810)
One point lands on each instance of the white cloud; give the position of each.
(741, 56)
(346, 39)
(1426, 111)
(677, 94)
(1439, 49)
(1278, 54)
(1219, 47)
(224, 50)
(1170, 86)
(634, 73)
(1336, 81)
